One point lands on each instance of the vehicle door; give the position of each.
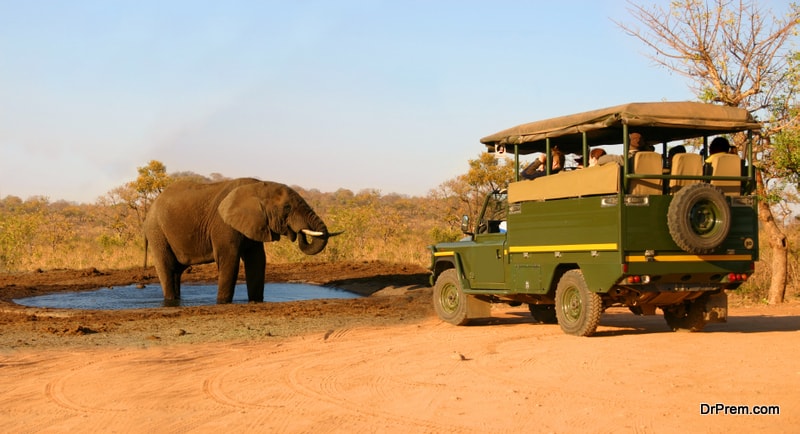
(487, 259)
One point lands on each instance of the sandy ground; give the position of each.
(383, 363)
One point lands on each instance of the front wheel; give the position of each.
(452, 305)
(577, 309)
(449, 300)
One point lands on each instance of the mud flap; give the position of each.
(716, 308)
(477, 308)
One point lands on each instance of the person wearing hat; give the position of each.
(594, 156)
(635, 144)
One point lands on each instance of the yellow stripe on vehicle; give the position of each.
(437, 254)
(563, 248)
(689, 258)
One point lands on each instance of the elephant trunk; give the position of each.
(315, 230)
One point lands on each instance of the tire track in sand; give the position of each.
(56, 389)
(230, 388)
(355, 377)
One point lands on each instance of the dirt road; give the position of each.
(384, 363)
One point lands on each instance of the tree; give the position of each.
(117, 212)
(20, 222)
(785, 144)
(465, 193)
(148, 185)
(136, 196)
(737, 56)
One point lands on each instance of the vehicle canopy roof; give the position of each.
(658, 122)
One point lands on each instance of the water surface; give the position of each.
(131, 297)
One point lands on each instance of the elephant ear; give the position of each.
(242, 210)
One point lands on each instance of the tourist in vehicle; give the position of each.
(718, 145)
(635, 144)
(675, 150)
(595, 155)
(536, 168)
(721, 146)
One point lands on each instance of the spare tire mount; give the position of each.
(699, 218)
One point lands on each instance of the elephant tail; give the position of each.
(145, 251)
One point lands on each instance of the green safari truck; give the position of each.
(645, 232)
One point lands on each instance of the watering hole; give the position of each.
(133, 297)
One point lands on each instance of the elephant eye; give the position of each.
(287, 209)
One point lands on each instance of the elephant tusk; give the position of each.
(312, 233)
(320, 234)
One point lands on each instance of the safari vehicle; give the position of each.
(633, 235)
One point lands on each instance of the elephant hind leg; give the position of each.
(169, 273)
(171, 282)
(168, 268)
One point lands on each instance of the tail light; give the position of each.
(637, 280)
(737, 277)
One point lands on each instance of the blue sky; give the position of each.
(386, 95)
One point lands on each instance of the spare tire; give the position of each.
(699, 218)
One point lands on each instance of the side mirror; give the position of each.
(465, 225)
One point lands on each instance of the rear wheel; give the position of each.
(577, 309)
(688, 316)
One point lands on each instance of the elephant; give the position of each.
(193, 223)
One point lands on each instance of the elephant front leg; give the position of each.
(255, 264)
